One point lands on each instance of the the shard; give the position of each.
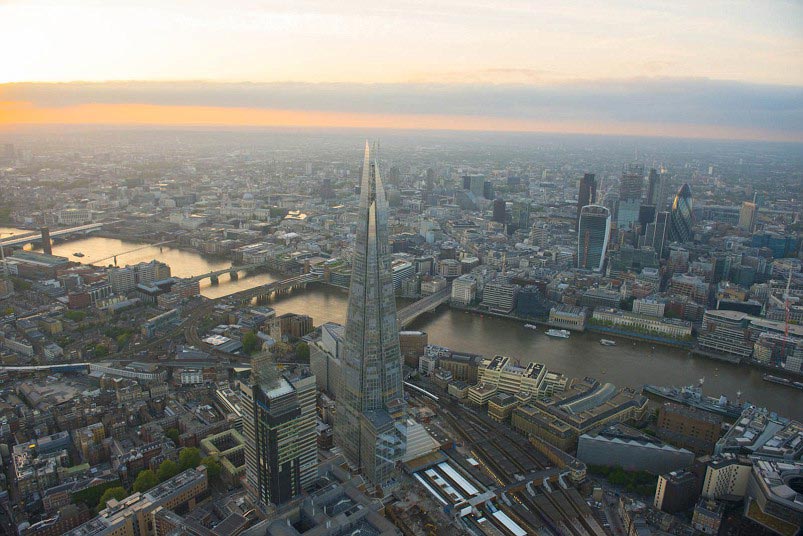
(369, 424)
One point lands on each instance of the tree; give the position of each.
(627, 303)
(117, 492)
(101, 350)
(75, 316)
(281, 349)
(122, 340)
(189, 458)
(302, 351)
(173, 434)
(212, 467)
(167, 469)
(91, 496)
(250, 342)
(145, 480)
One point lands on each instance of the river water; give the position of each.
(625, 364)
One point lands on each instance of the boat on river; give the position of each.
(692, 396)
(782, 381)
(530, 326)
(607, 342)
(559, 333)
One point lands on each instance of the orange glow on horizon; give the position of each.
(15, 113)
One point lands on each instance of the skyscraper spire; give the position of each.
(370, 412)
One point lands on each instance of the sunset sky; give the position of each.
(727, 69)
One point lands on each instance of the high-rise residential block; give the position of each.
(279, 421)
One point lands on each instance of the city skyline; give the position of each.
(617, 69)
(147, 270)
(560, 290)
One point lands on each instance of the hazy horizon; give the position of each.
(714, 69)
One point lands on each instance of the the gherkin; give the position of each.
(681, 217)
(369, 424)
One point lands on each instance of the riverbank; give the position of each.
(687, 346)
(581, 355)
(635, 336)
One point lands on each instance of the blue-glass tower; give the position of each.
(593, 234)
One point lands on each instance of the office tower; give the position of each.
(653, 187)
(488, 190)
(394, 175)
(758, 199)
(430, 181)
(630, 191)
(520, 215)
(657, 238)
(646, 216)
(477, 186)
(680, 216)
(662, 190)
(657, 184)
(592, 237)
(499, 215)
(587, 194)
(279, 418)
(611, 202)
(747, 217)
(369, 425)
(327, 192)
(466, 182)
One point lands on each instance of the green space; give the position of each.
(638, 482)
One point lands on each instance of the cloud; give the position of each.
(711, 104)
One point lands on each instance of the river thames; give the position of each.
(626, 364)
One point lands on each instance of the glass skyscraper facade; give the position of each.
(592, 237)
(631, 186)
(370, 419)
(279, 418)
(587, 195)
(680, 216)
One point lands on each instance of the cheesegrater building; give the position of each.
(370, 418)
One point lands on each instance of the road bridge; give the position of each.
(35, 236)
(277, 287)
(429, 303)
(214, 275)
